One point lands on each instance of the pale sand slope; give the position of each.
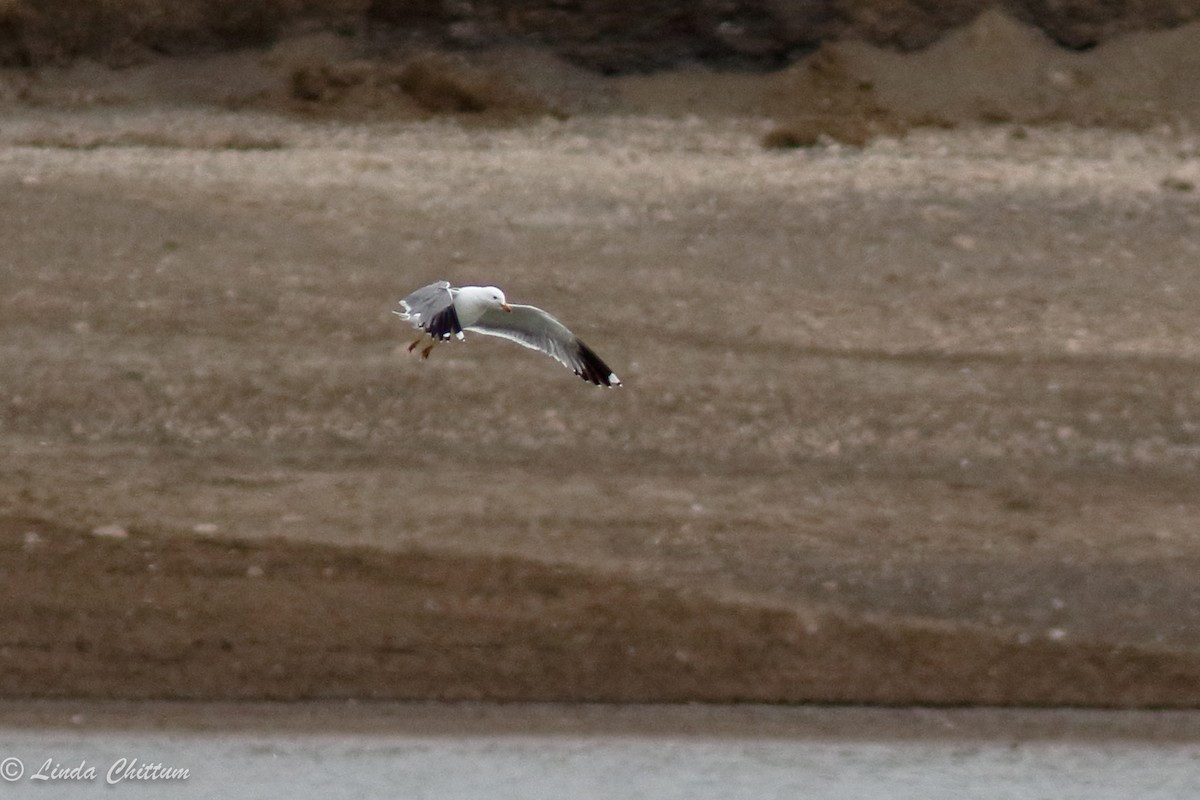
(946, 383)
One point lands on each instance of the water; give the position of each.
(560, 752)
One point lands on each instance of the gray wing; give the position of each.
(431, 308)
(533, 328)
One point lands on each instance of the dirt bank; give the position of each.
(909, 422)
(146, 617)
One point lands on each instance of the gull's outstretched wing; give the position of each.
(431, 308)
(533, 328)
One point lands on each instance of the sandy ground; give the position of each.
(914, 422)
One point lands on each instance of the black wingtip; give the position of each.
(593, 367)
(444, 324)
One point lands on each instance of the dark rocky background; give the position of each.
(603, 35)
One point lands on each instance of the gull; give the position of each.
(440, 311)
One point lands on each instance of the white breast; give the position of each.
(470, 303)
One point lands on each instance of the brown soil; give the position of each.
(907, 421)
(149, 617)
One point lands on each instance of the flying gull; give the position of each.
(441, 311)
